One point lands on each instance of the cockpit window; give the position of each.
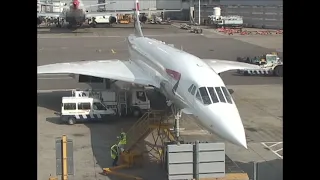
(204, 95)
(193, 90)
(198, 96)
(220, 94)
(227, 94)
(190, 88)
(213, 95)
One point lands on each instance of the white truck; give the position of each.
(75, 109)
(226, 21)
(92, 105)
(107, 19)
(133, 101)
(270, 64)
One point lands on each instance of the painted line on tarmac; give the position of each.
(194, 132)
(58, 74)
(52, 90)
(53, 78)
(175, 25)
(270, 147)
(61, 37)
(97, 36)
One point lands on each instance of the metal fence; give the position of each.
(266, 16)
(257, 16)
(199, 160)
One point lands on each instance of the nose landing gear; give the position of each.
(177, 115)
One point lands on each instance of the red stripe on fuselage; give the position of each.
(174, 74)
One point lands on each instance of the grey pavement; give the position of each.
(259, 100)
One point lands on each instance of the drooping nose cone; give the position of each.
(227, 124)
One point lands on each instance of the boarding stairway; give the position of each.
(155, 122)
(149, 122)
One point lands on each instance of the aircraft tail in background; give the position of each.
(137, 25)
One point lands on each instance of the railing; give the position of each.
(142, 127)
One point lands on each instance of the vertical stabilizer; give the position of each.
(137, 25)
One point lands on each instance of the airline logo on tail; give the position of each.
(137, 7)
(137, 26)
(174, 74)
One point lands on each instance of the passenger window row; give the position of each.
(83, 106)
(208, 95)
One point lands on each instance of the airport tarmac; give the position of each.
(259, 100)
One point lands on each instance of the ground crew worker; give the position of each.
(122, 140)
(114, 154)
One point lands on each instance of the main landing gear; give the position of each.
(177, 115)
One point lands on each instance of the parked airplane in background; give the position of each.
(76, 13)
(190, 84)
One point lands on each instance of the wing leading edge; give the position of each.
(220, 66)
(111, 69)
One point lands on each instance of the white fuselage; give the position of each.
(155, 57)
(75, 14)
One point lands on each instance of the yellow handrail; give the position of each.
(142, 126)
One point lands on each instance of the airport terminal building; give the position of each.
(257, 13)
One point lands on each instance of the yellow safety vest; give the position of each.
(114, 151)
(123, 139)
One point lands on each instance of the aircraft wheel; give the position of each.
(278, 71)
(71, 121)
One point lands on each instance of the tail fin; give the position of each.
(137, 25)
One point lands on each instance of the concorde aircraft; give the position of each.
(190, 84)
